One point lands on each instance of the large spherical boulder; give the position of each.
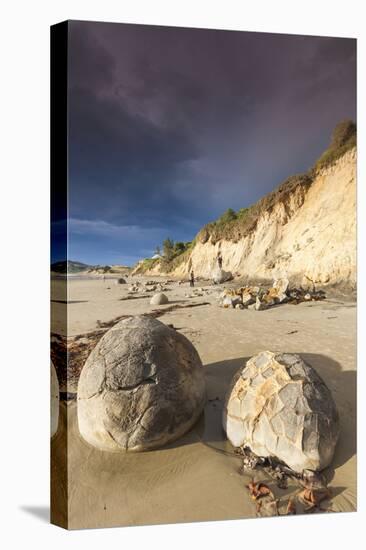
(159, 299)
(278, 406)
(121, 281)
(141, 387)
(55, 400)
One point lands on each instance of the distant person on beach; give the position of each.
(191, 282)
(219, 260)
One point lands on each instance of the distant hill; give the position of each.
(111, 269)
(69, 267)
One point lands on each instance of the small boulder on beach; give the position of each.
(141, 387)
(219, 276)
(279, 407)
(159, 299)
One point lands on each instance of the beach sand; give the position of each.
(198, 477)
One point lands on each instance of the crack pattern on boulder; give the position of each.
(141, 387)
(278, 406)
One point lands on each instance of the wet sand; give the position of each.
(197, 478)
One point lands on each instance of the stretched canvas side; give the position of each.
(59, 207)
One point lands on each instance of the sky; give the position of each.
(169, 127)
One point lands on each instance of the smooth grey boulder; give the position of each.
(55, 400)
(219, 276)
(159, 299)
(141, 387)
(278, 406)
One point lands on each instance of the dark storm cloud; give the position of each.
(123, 165)
(169, 127)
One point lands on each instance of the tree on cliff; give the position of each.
(342, 133)
(168, 248)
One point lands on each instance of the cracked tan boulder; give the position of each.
(278, 406)
(55, 400)
(141, 387)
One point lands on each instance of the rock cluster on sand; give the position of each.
(147, 286)
(159, 299)
(219, 276)
(136, 287)
(141, 387)
(152, 286)
(278, 406)
(257, 298)
(55, 400)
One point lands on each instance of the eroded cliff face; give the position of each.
(309, 237)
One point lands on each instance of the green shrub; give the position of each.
(228, 216)
(344, 138)
(179, 248)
